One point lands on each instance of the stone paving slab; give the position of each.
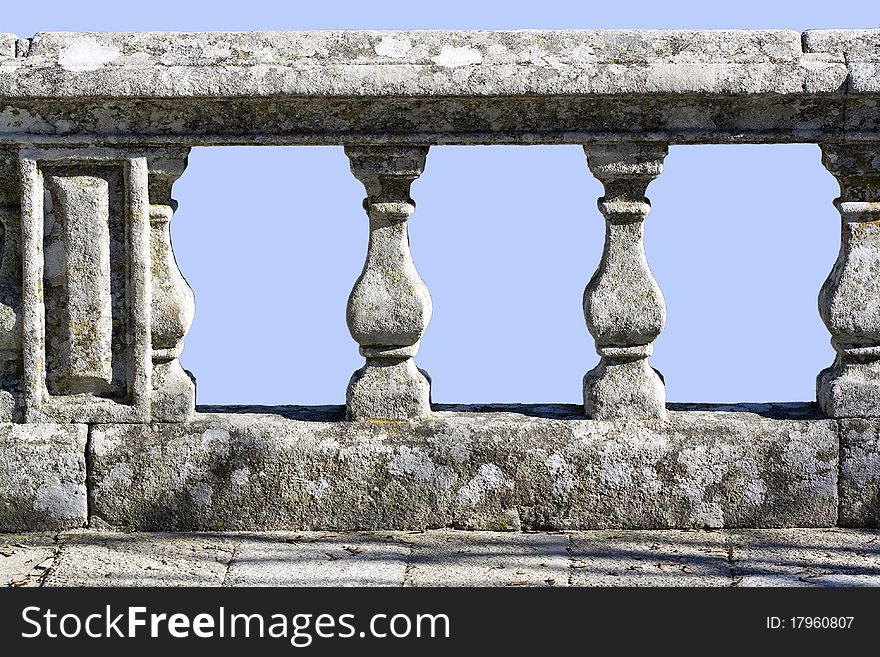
(288, 559)
(451, 558)
(649, 558)
(792, 557)
(113, 559)
(25, 558)
(798, 557)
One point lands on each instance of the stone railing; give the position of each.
(100, 416)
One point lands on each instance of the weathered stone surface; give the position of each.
(571, 86)
(95, 129)
(42, 476)
(172, 302)
(104, 307)
(319, 560)
(642, 558)
(487, 559)
(10, 288)
(479, 468)
(389, 307)
(794, 557)
(25, 559)
(111, 559)
(859, 473)
(623, 304)
(849, 301)
(7, 46)
(798, 557)
(861, 50)
(420, 62)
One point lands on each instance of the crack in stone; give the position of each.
(571, 560)
(229, 565)
(408, 567)
(56, 554)
(731, 561)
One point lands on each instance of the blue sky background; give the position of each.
(272, 239)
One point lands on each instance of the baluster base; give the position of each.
(849, 389)
(624, 388)
(388, 389)
(174, 393)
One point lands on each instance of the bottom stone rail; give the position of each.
(498, 467)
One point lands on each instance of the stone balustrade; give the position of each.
(99, 417)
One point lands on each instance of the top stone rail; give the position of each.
(420, 63)
(570, 86)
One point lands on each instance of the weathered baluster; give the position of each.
(623, 305)
(173, 303)
(849, 301)
(389, 307)
(10, 288)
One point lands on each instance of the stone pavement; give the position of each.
(785, 557)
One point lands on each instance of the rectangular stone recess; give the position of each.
(86, 286)
(490, 468)
(82, 223)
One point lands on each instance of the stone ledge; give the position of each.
(438, 87)
(42, 476)
(420, 63)
(492, 467)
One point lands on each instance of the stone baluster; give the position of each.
(10, 288)
(849, 301)
(173, 302)
(623, 305)
(389, 307)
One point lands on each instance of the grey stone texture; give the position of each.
(717, 558)
(97, 309)
(323, 559)
(112, 559)
(623, 305)
(827, 557)
(25, 559)
(525, 86)
(859, 485)
(10, 289)
(42, 476)
(528, 467)
(455, 63)
(488, 559)
(849, 301)
(96, 128)
(649, 558)
(389, 307)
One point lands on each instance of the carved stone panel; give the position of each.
(86, 286)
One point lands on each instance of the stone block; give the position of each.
(801, 557)
(42, 477)
(450, 558)
(649, 558)
(25, 559)
(113, 559)
(319, 559)
(859, 473)
(492, 467)
(332, 87)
